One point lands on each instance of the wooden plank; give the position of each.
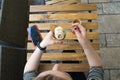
(62, 2)
(53, 2)
(62, 7)
(62, 56)
(66, 67)
(69, 2)
(65, 46)
(46, 26)
(71, 36)
(68, 16)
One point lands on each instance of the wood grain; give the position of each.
(46, 26)
(62, 56)
(71, 36)
(66, 67)
(67, 16)
(54, 2)
(65, 46)
(62, 7)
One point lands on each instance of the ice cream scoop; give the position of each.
(59, 33)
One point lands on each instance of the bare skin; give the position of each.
(93, 58)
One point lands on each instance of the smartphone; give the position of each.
(34, 34)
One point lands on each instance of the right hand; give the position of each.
(80, 33)
(48, 40)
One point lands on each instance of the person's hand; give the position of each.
(49, 40)
(80, 33)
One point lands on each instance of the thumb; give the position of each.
(50, 33)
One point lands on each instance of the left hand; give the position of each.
(49, 40)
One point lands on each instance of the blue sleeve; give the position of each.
(96, 73)
(30, 75)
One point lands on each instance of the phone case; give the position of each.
(34, 34)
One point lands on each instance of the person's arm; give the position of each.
(93, 58)
(33, 63)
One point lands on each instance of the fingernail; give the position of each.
(75, 28)
(61, 42)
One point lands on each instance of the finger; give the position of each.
(75, 28)
(72, 30)
(50, 32)
(58, 42)
(81, 28)
(77, 33)
(75, 24)
(79, 25)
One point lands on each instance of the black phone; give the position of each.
(34, 34)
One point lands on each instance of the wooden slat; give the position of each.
(66, 67)
(61, 2)
(71, 36)
(62, 56)
(53, 2)
(46, 26)
(69, 16)
(63, 7)
(65, 46)
(69, 2)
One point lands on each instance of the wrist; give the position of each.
(86, 44)
(41, 47)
